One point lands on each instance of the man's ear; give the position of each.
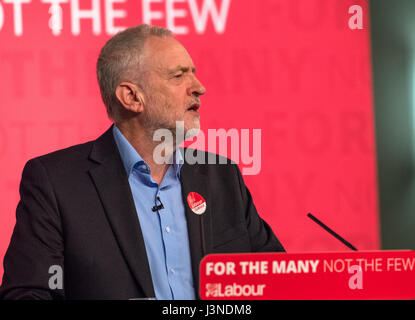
(130, 96)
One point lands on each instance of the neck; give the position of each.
(142, 141)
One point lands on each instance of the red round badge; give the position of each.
(196, 203)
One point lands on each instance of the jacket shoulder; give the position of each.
(66, 155)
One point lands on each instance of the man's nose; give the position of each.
(197, 88)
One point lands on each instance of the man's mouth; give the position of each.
(194, 107)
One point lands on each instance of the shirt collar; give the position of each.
(132, 159)
(178, 161)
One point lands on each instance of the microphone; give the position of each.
(158, 207)
(334, 234)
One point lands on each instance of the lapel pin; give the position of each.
(196, 203)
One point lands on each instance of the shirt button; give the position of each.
(172, 270)
(167, 229)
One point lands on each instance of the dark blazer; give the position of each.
(77, 211)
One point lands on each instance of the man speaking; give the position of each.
(104, 219)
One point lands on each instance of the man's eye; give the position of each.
(178, 75)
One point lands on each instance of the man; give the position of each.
(110, 219)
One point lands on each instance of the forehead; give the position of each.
(166, 53)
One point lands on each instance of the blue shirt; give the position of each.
(164, 231)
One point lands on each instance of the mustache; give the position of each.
(195, 101)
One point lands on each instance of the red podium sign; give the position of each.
(339, 275)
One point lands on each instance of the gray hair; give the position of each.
(118, 57)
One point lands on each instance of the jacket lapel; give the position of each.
(114, 190)
(193, 179)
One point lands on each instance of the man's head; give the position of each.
(146, 75)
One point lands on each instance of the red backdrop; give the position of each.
(291, 68)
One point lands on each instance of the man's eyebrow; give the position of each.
(182, 69)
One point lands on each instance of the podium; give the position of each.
(360, 275)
